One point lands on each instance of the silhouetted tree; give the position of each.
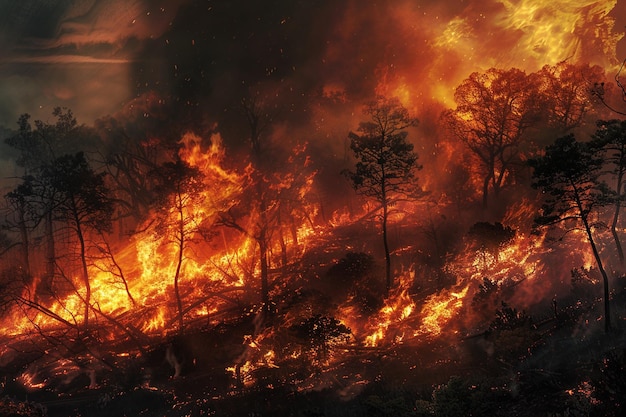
(259, 119)
(179, 188)
(133, 143)
(610, 140)
(386, 163)
(275, 189)
(38, 147)
(81, 202)
(23, 216)
(568, 174)
(494, 110)
(601, 90)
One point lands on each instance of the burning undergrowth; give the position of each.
(330, 327)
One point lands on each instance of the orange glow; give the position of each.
(148, 262)
(439, 309)
(397, 309)
(524, 34)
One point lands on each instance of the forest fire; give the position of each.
(402, 208)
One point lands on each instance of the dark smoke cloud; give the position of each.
(73, 53)
(96, 55)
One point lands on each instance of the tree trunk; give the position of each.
(265, 292)
(25, 242)
(50, 253)
(618, 244)
(181, 249)
(605, 278)
(294, 233)
(281, 240)
(262, 239)
(618, 206)
(85, 271)
(486, 191)
(387, 254)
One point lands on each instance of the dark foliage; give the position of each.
(490, 237)
(462, 397)
(609, 384)
(319, 332)
(13, 280)
(513, 334)
(10, 407)
(356, 276)
(386, 163)
(569, 175)
(486, 291)
(81, 193)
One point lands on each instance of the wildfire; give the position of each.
(399, 319)
(397, 310)
(556, 29)
(439, 309)
(29, 379)
(231, 231)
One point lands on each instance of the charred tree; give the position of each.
(600, 91)
(568, 174)
(259, 119)
(19, 201)
(386, 163)
(132, 146)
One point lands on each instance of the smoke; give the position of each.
(93, 55)
(75, 54)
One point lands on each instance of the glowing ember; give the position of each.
(397, 309)
(439, 309)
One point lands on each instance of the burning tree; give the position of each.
(133, 145)
(494, 110)
(275, 192)
(569, 174)
(565, 90)
(386, 163)
(490, 238)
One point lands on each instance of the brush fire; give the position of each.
(339, 208)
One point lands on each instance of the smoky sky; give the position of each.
(94, 56)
